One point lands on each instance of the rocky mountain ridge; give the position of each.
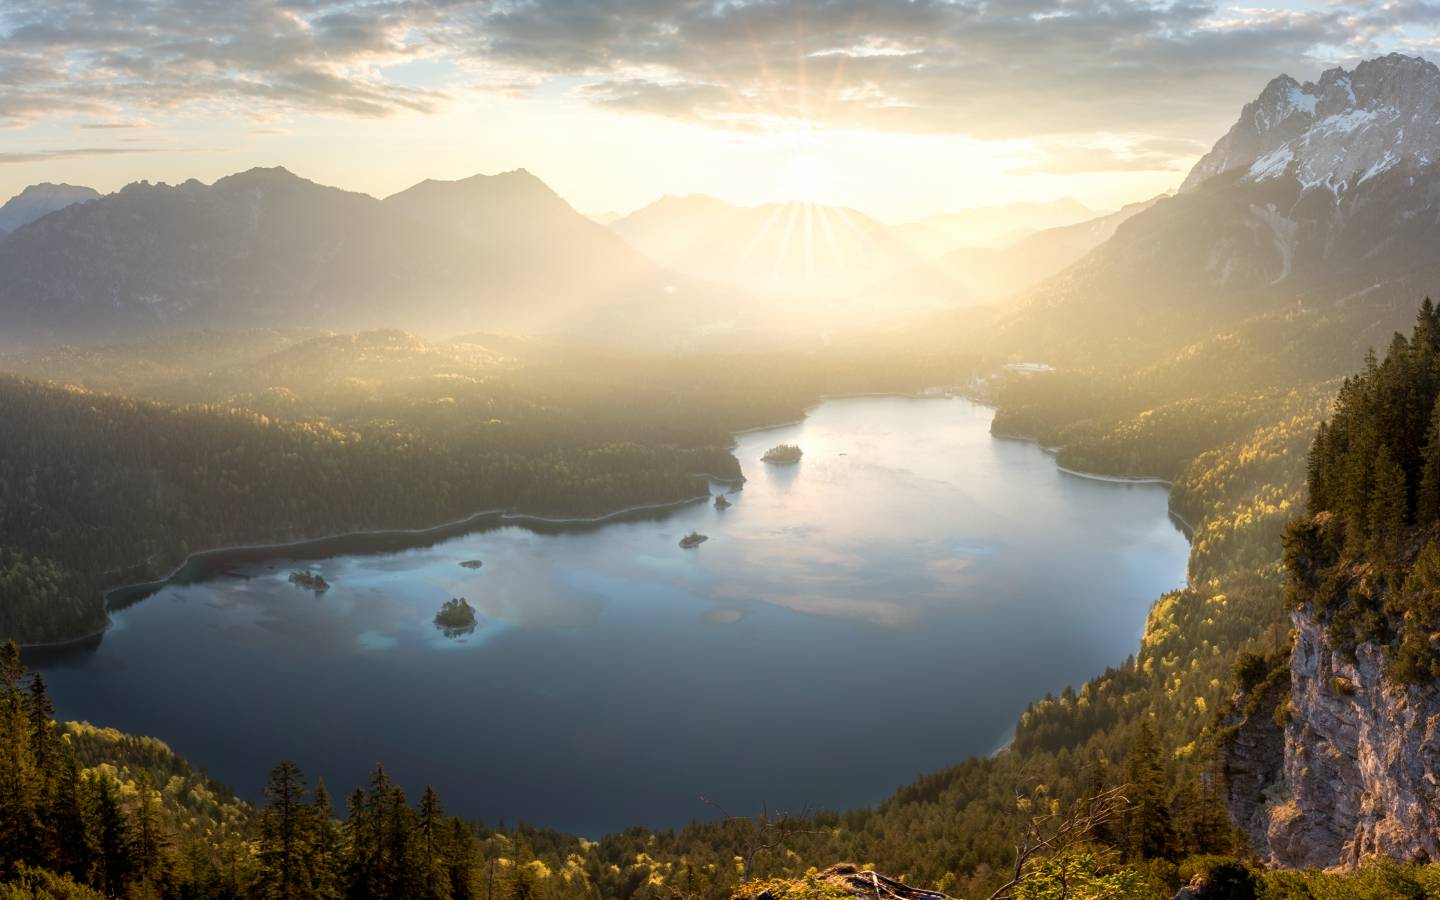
(1337, 133)
(38, 201)
(266, 248)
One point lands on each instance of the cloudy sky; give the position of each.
(897, 107)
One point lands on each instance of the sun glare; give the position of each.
(806, 179)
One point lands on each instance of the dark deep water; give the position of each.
(883, 609)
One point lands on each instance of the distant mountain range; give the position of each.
(266, 248)
(813, 250)
(975, 275)
(1000, 226)
(780, 249)
(39, 200)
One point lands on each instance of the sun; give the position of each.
(805, 179)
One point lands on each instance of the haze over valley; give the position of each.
(747, 451)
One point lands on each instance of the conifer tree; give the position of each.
(1388, 511)
(20, 779)
(113, 862)
(72, 834)
(1149, 830)
(149, 844)
(430, 837)
(285, 844)
(328, 851)
(1428, 505)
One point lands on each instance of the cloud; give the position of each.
(254, 57)
(983, 68)
(30, 156)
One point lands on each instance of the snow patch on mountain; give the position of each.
(1336, 133)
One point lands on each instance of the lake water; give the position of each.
(883, 609)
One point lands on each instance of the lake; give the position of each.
(882, 609)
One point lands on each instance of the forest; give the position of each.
(1231, 427)
(1366, 559)
(125, 460)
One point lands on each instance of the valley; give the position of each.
(686, 552)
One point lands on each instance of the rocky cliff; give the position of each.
(1353, 772)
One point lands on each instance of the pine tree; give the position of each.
(74, 843)
(20, 779)
(285, 842)
(1150, 834)
(1428, 506)
(328, 853)
(360, 831)
(149, 844)
(462, 856)
(113, 863)
(1388, 512)
(523, 882)
(435, 872)
(1315, 472)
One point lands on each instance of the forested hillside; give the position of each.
(347, 433)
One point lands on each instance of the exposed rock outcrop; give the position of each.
(1359, 768)
(866, 883)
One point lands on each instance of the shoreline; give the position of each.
(461, 525)
(465, 523)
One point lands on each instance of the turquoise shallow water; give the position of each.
(882, 609)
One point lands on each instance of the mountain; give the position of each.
(972, 275)
(40, 200)
(786, 249)
(992, 226)
(265, 248)
(1321, 194)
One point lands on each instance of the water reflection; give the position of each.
(909, 566)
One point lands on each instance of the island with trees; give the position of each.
(783, 454)
(310, 581)
(456, 617)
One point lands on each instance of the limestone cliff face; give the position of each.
(1355, 771)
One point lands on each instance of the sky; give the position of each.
(898, 108)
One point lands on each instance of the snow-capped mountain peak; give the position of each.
(1335, 133)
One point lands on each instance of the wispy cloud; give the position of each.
(983, 69)
(30, 156)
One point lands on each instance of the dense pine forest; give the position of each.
(1234, 437)
(1366, 560)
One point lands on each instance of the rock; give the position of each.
(693, 539)
(721, 502)
(1359, 762)
(865, 883)
(472, 564)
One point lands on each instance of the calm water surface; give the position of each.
(882, 609)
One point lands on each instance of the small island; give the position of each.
(721, 502)
(310, 581)
(693, 539)
(456, 617)
(783, 454)
(472, 564)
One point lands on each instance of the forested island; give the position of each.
(783, 454)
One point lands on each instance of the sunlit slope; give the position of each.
(1324, 206)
